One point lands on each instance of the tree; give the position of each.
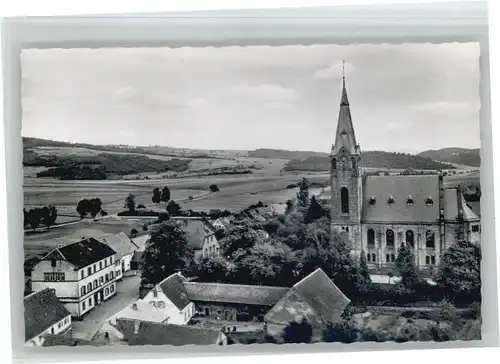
(239, 237)
(214, 269)
(343, 332)
(364, 274)
(133, 232)
(315, 211)
(94, 206)
(289, 206)
(173, 208)
(167, 251)
(34, 217)
(156, 198)
(213, 188)
(103, 213)
(83, 207)
(460, 269)
(165, 195)
(405, 263)
(298, 332)
(48, 215)
(130, 202)
(303, 196)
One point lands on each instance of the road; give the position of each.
(127, 291)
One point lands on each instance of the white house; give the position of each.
(143, 311)
(44, 314)
(124, 248)
(171, 296)
(82, 274)
(201, 236)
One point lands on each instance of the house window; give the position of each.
(95, 283)
(53, 263)
(111, 288)
(344, 200)
(152, 303)
(101, 280)
(429, 239)
(89, 271)
(106, 292)
(161, 304)
(107, 277)
(155, 293)
(82, 274)
(334, 163)
(370, 234)
(185, 316)
(111, 275)
(347, 229)
(82, 291)
(475, 228)
(89, 286)
(90, 301)
(410, 238)
(51, 330)
(393, 257)
(387, 258)
(105, 263)
(100, 265)
(374, 257)
(54, 277)
(372, 200)
(368, 257)
(433, 260)
(83, 306)
(427, 259)
(95, 268)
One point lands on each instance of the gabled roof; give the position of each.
(60, 340)
(142, 310)
(150, 333)
(234, 293)
(82, 253)
(120, 243)
(196, 231)
(401, 188)
(42, 310)
(315, 295)
(173, 288)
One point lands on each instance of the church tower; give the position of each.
(345, 176)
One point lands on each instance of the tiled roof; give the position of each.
(137, 257)
(400, 188)
(30, 262)
(149, 333)
(42, 310)
(142, 310)
(173, 287)
(316, 294)
(82, 253)
(60, 340)
(450, 204)
(234, 293)
(196, 230)
(345, 137)
(120, 243)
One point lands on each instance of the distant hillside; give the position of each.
(469, 157)
(284, 154)
(374, 159)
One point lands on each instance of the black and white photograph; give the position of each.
(261, 194)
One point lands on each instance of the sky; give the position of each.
(404, 98)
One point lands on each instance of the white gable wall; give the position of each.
(176, 316)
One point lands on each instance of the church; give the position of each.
(379, 213)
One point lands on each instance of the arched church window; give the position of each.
(429, 239)
(410, 200)
(427, 259)
(344, 200)
(389, 238)
(370, 237)
(429, 201)
(410, 238)
(390, 201)
(372, 200)
(353, 164)
(334, 163)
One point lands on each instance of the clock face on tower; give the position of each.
(343, 160)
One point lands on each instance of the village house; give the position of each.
(82, 275)
(124, 248)
(233, 302)
(170, 296)
(143, 311)
(315, 298)
(137, 332)
(44, 314)
(202, 236)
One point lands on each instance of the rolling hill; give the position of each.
(373, 159)
(284, 154)
(469, 157)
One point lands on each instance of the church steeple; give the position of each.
(345, 137)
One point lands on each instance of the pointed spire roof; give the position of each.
(345, 137)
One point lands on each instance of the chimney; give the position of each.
(134, 306)
(137, 325)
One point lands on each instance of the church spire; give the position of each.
(345, 137)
